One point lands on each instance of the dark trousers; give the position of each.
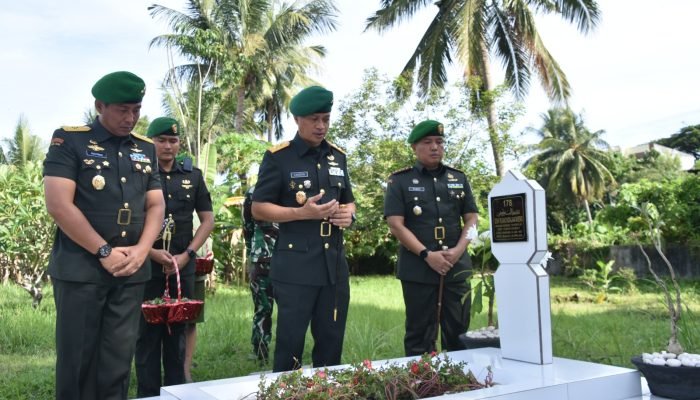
(421, 316)
(297, 305)
(156, 342)
(96, 330)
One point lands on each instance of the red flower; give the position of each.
(415, 368)
(433, 353)
(367, 364)
(321, 374)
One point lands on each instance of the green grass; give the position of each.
(609, 332)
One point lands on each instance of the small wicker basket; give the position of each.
(171, 311)
(167, 310)
(203, 265)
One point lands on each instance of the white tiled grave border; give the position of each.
(563, 379)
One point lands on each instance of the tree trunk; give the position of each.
(492, 117)
(588, 213)
(270, 110)
(238, 125)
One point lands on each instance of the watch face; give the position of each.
(104, 251)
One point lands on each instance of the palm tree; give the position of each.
(250, 50)
(474, 30)
(572, 157)
(23, 147)
(199, 37)
(277, 61)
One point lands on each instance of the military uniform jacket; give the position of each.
(184, 191)
(308, 252)
(432, 204)
(112, 175)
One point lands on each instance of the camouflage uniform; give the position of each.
(260, 240)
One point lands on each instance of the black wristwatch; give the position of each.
(424, 254)
(104, 251)
(192, 254)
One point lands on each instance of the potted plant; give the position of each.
(483, 292)
(671, 373)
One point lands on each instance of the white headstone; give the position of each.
(517, 212)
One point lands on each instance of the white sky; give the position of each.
(635, 77)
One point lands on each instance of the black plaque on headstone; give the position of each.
(508, 223)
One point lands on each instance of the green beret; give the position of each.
(313, 99)
(119, 87)
(426, 128)
(163, 126)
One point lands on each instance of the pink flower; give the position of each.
(433, 353)
(367, 364)
(321, 374)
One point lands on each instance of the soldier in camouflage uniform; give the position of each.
(260, 240)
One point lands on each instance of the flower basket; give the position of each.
(167, 310)
(204, 265)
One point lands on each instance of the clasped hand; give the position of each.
(336, 213)
(440, 261)
(124, 261)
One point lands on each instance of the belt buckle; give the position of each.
(439, 232)
(325, 229)
(124, 216)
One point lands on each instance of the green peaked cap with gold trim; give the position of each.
(163, 126)
(313, 99)
(119, 87)
(428, 127)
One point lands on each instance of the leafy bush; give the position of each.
(26, 229)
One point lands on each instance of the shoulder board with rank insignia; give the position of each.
(402, 170)
(336, 147)
(76, 128)
(279, 146)
(454, 169)
(144, 138)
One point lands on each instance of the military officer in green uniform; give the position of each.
(303, 185)
(103, 191)
(260, 238)
(429, 208)
(185, 192)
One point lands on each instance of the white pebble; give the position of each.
(672, 362)
(668, 355)
(688, 362)
(658, 361)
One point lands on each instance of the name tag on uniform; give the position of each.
(139, 157)
(300, 174)
(95, 154)
(455, 186)
(416, 189)
(335, 171)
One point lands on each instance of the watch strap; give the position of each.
(424, 254)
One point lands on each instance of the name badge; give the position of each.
(299, 174)
(416, 189)
(335, 171)
(455, 186)
(95, 154)
(139, 157)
